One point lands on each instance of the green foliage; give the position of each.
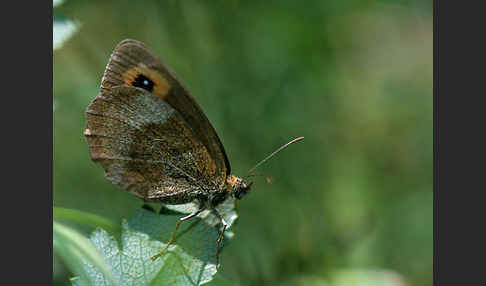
(350, 277)
(190, 261)
(62, 28)
(76, 250)
(353, 77)
(84, 218)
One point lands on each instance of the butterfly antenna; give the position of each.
(274, 152)
(255, 175)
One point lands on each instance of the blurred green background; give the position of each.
(352, 203)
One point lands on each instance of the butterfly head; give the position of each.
(237, 187)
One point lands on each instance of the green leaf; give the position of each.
(62, 31)
(76, 281)
(227, 209)
(56, 3)
(191, 260)
(76, 250)
(62, 28)
(85, 219)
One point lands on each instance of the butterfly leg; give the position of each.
(172, 239)
(220, 237)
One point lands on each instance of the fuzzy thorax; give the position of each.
(237, 187)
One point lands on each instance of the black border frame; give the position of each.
(453, 187)
(27, 80)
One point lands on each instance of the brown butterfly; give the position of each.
(153, 139)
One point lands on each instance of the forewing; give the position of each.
(146, 147)
(130, 59)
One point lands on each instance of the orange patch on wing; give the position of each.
(161, 85)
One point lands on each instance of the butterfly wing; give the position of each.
(150, 143)
(130, 59)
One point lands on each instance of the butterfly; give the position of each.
(154, 141)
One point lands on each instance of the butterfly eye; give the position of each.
(143, 82)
